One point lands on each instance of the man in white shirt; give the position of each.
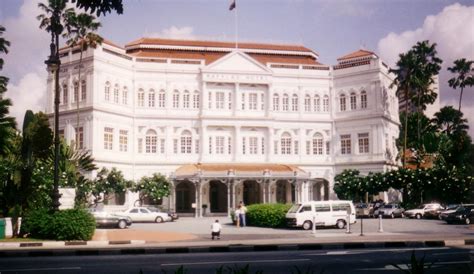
(216, 230)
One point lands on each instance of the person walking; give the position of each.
(216, 230)
(243, 210)
(237, 216)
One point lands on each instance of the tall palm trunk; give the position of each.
(79, 93)
(460, 99)
(405, 133)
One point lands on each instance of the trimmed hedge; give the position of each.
(65, 225)
(267, 215)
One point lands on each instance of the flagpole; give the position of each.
(236, 29)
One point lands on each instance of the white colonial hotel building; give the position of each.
(263, 123)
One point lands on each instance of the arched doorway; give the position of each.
(185, 196)
(251, 192)
(217, 196)
(321, 190)
(283, 192)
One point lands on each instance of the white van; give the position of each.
(326, 213)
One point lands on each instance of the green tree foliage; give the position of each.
(267, 215)
(155, 188)
(100, 6)
(464, 76)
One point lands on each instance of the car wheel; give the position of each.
(122, 224)
(467, 221)
(418, 216)
(340, 224)
(439, 217)
(392, 215)
(159, 219)
(307, 225)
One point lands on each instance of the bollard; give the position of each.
(314, 225)
(361, 226)
(380, 223)
(348, 224)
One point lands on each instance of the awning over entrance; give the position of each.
(240, 171)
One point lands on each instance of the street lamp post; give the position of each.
(53, 63)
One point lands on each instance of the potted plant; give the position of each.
(204, 209)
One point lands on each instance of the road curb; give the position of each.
(95, 248)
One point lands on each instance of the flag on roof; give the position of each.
(232, 5)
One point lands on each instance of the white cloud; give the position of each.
(452, 30)
(174, 33)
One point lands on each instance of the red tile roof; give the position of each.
(356, 54)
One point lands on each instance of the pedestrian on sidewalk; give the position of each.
(216, 230)
(243, 210)
(237, 216)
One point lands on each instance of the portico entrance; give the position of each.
(251, 192)
(185, 197)
(320, 190)
(217, 196)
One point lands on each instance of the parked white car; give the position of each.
(420, 211)
(142, 214)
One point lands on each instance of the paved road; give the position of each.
(441, 260)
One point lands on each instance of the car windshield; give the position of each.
(421, 207)
(294, 208)
(451, 207)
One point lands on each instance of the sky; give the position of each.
(332, 28)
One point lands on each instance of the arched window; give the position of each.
(186, 99)
(285, 143)
(294, 102)
(363, 99)
(162, 99)
(186, 142)
(83, 90)
(176, 99)
(286, 102)
(342, 102)
(353, 101)
(65, 94)
(307, 103)
(326, 103)
(141, 98)
(150, 141)
(317, 103)
(317, 144)
(196, 99)
(116, 94)
(151, 98)
(107, 91)
(125, 95)
(76, 91)
(276, 102)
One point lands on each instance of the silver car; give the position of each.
(390, 210)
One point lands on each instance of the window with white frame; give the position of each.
(342, 102)
(326, 103)
(294, 102)
(220, 144)
(108, 138)
(175, 146)
(363, 99)
(79, 137)
(229, 101)
(186, 99)
(275, 147)
(276, 102)
(151, 98)
(317, 144)
(317, 103)
(125, 96)
(107, 91)
(229, 145)
(285, 144)
(123, 140)
(253, 145)
(162, 99)
(363, 142)
(243, 101)
(186, 142)
(116, 94)
(141, 98)
(353, 101)
(262, 101)
(196, 99)
(308, 147)
(328, 148)
(244, 145)
(196, 146)
(346, 144)
(162, 145)
(307, 103)
(83, 90)
(150, 141)
(263, 146)
(297, 147)
(140, 145)
(253, 101)
(220, 100)
(65, 94)
(176, 99)
(209, 97)
(285, 102)
(76, 91)
(210, 144)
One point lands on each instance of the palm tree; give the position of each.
(463, 76)
(80, 32)
(450, 121)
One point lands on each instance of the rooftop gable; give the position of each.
(357, 54)
(238, 61)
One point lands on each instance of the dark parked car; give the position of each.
(464, 214)
(174, 216)
(448, 210)
(106, 219)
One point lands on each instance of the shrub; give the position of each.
(64, 225)
(267, 215)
